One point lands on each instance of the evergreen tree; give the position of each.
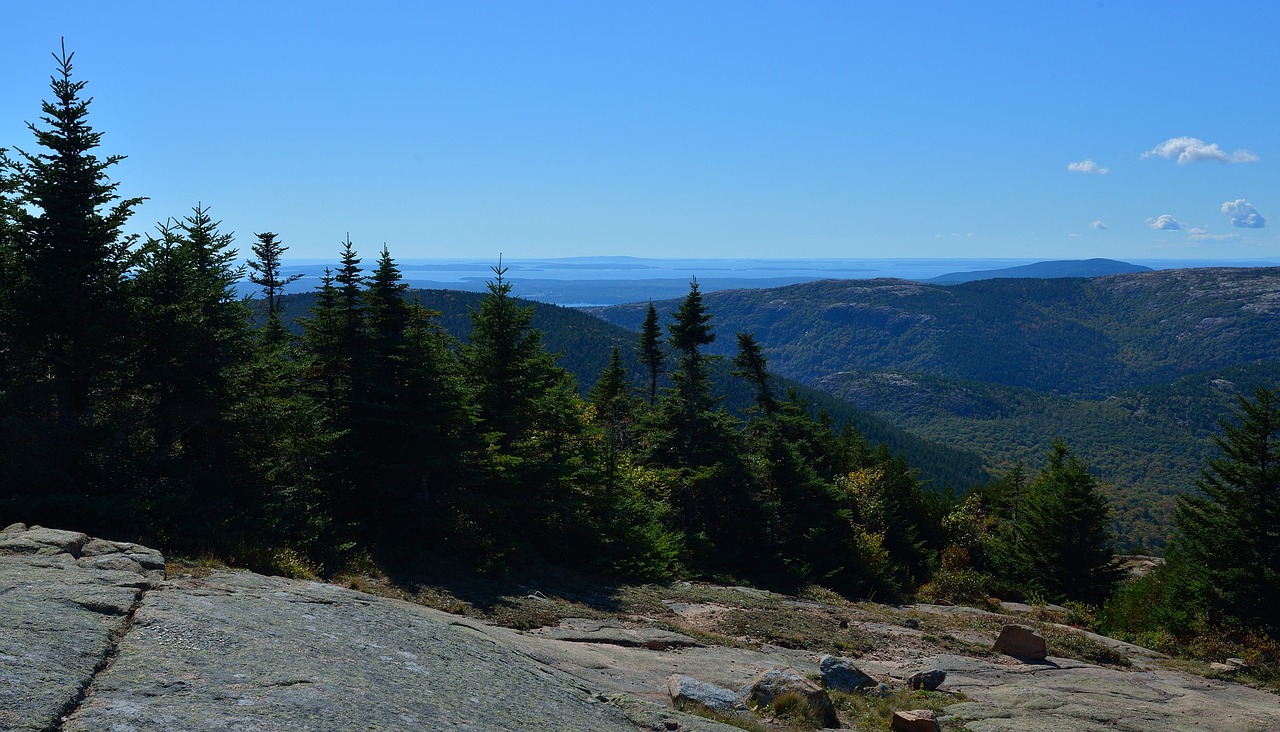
(749, 364)
(266, 274)
(1067, 547)
(70, 311)
(611, 397)
(388, 312)
(349, 279)
(689, 406)
(528, 411)
(651, 353)
(65, 325)
(194, 332)
(697, 441)
(420, 443)
(321, 334)
(1228, 536)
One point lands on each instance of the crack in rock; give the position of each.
(109, 657)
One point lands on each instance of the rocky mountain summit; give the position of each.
(94, 636)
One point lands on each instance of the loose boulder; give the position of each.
(685, 689)
(1021, 642)
(768, 686)
(916, 720)
(839, 674)
(927, 680)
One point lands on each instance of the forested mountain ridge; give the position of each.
(1132, 370)
(1076, 337)
(584, 343)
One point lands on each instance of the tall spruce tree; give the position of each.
(69, 257)
(66, 324)
(1228, 535)
(651, 353)
(266, 265)
(693, 437)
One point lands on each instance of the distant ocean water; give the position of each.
(577, 281)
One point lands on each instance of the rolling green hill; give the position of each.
(1132, 370)
(584, 342)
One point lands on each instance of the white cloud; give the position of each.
(1074, 235)
(1165, 222)
(1098, 226)
(1192, 150)
(1198, 234)
(1243, 214)
(1087, 166)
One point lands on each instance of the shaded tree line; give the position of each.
(140, 396)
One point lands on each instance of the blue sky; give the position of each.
(668, 129)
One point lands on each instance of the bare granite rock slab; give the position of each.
(57, 624)
(239, 651)
(245, 652)
(1066, 696)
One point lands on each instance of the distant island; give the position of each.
(1044, 270)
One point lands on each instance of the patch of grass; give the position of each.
(875, 712)
(795, 709)
(817, 593)
(195, 567)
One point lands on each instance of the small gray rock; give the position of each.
(14, 528)
(1021, 642)
(839, 674)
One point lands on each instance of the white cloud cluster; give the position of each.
(1098, 226)
(1192, 150)
(1165, 222)
(1243, 214)
(1087, 166)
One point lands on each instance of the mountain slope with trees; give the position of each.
(1131, 370)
